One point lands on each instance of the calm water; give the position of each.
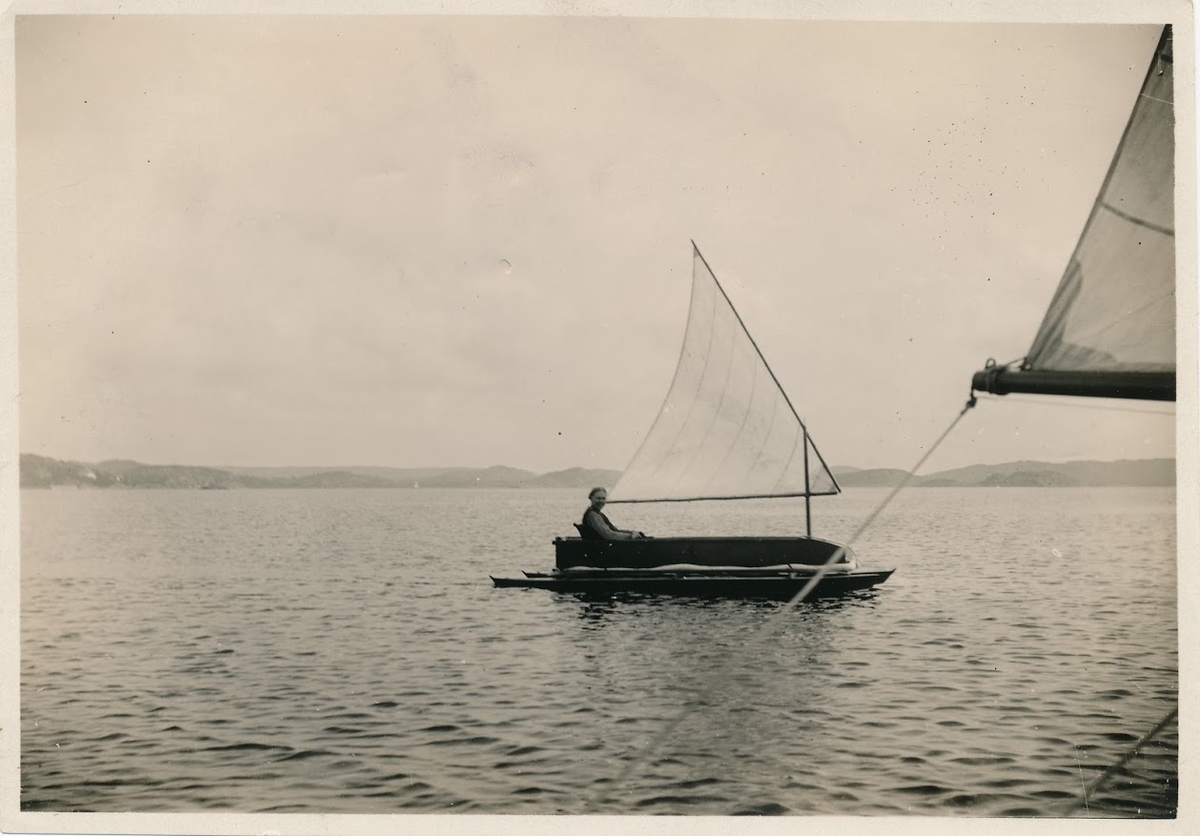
(344, 651)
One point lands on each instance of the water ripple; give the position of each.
(341, 651)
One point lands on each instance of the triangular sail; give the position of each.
(727, 429)
(1110, 329)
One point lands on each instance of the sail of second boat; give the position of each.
(727, 429)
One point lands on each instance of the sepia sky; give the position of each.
(420, 241)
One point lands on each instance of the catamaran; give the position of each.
(726, 431)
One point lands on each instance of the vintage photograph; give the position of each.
(426, 411)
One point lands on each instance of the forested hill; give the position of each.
(1025, 474)
(43, 472)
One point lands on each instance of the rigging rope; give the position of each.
(766, 630)
(1102, 779)
(673, 723)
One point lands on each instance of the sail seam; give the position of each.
(741, 429)
(828, 472)
(671, 391)
(713, 436)
(766, 365)
(1136, 220)
(1108, 326)
(770, 429)
(792, 457)
(1050, 333)
(712, 327)
(746, 331)
(716, 413)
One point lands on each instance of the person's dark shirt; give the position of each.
(601, 527)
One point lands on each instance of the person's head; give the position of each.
(598, 496)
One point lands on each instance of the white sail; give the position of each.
(1110, 328)
(727, 430)
(1115, 307)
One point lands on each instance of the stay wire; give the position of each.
(1089, 792)
(767, 629)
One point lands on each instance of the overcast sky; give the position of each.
(420, 241)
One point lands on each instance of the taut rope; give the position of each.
(767, 628)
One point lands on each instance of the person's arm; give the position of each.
(633, 535)
(600, 526)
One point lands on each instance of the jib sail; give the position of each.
(1110, 328)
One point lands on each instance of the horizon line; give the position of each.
(555, 470)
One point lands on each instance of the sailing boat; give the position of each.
(1110, 329)
(726, 431)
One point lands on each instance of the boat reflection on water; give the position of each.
(597, 606)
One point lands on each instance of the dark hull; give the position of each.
(747, 552)
(726, 584)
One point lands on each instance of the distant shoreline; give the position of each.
(43, 472)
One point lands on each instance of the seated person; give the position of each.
(596, 526)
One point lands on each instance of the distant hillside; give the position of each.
(577, 477)
(43, 472)
(452, 477)
(1029, 479)
(175, 476)
(879, 478)
(492, 477)
(119, 467)
(340, 479)
(403, 476)
(1143, 472)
